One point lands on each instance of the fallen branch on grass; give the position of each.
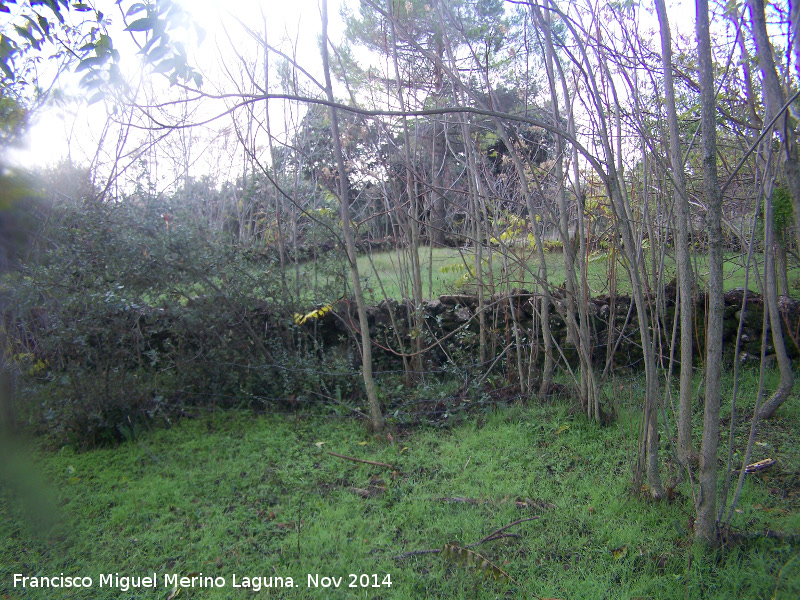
(519, 502)
(538, 504)
(495, 535)
(361, 460)
(757, 466)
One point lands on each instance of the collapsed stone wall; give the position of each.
(451, 326)
(449, 332)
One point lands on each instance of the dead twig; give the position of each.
(361, 460)
(528, 503)
(494, 535)
(493, 538)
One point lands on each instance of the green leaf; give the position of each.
(34, 25)
(165, 66)
(135, 8)
(148, 46)
(7, 47)
(91, 63)
(6, 70)
(103, 45)
(157, 53)
(620, 553)
(24, 32)
(90, 80)
(53, 5)
(144, 24)
(115, 75)
(44, 24)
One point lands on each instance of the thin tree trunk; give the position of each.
(413, 219)
(577, 327)
(437, 237)
(685, 275)
(376, 416)
(549, 361)
(706, 524)
(615, 184)
(473, 186)
(278, 196)
(734, 16)
(771, 288)
(478, 244)
(512, 312)
(774, 99)
(794, 33)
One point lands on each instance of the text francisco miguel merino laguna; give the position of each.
(197, 580)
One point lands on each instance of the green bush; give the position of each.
(122, 317)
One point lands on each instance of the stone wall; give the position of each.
(451, 326)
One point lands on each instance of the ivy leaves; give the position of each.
(42, 22)
(32, 31)
(156, 20)
(101, 63)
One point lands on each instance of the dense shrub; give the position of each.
(131, 312)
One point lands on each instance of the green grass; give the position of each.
(223, 494)
(444, 268)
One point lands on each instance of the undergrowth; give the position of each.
(231, 492)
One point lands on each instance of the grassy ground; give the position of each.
(383, 271)
(231, 493)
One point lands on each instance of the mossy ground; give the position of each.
(233, 492)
